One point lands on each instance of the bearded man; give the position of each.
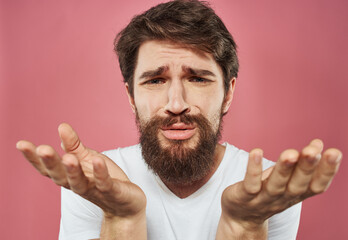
(180, 66)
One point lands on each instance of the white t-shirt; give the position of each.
(169, 217)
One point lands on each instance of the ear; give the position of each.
(229, 96)
(130, 98)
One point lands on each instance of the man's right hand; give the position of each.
(94, 177)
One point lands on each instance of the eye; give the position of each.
(155, 81)
(199, 80)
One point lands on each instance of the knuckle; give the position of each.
(105, 187)
(254, 174)
(329, 173)
(252, 190)
(317, 188)
(275, 191)
(284, 173)
(49, 162)
(293, 191)
(306, 171)
(73, 146)
(230, 195)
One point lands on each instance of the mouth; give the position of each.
(178, 131)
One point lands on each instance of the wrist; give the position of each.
(130, 227)
(230, 228)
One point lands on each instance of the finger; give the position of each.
(279, 178)
(302, 175)
(71, 142)
(318, 144)
(326, 170)
(252, 180)
(102, 178)
(29, 151)
(266, 173)
(78, 182)
(53, 164)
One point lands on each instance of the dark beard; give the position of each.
(177, 163)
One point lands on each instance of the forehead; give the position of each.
(173, 56)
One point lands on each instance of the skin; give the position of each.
(175, 91)
(95, 177)
(246, 205)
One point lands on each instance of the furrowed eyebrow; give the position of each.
(154, 73)
(198, 72)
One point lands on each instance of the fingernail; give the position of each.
(333, 159)
(257, 159)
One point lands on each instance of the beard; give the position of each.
(176, 161)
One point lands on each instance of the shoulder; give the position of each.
(130, 160)
(240, 157)
(126, 152)
(125, 157)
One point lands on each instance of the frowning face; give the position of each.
(172, 81)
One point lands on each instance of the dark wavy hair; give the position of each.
(188, 22)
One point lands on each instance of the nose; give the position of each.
(176, 99)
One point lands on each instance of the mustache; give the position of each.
(175, 162)
(170, 120)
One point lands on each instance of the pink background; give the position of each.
(57, 64)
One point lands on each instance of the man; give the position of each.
(180, 66)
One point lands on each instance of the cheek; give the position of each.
(149, 105)
(209, 104)
(216, 120)
(211, 108)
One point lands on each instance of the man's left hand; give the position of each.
(247, 205)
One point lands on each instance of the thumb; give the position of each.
(71, 142)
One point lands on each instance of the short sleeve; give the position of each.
(284, 225)
(80, 219)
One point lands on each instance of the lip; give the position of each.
(178, 131)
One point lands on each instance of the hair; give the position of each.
(177, 163)
(187, 22)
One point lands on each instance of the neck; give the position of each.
(183, 191)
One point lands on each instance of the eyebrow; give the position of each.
(198, 72)
(160, 70)
(154, 73)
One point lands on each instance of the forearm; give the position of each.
(123, 228)
(231, 230)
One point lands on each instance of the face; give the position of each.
(179, 99)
